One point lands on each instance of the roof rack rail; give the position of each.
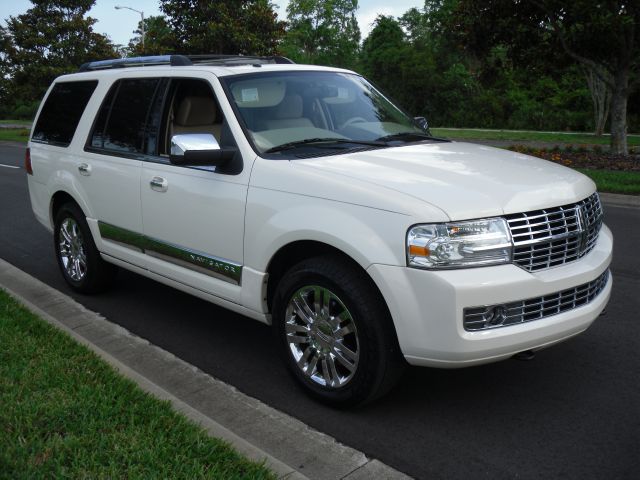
(181, 61)
(173, 60)
(237, 59)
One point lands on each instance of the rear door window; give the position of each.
(122, 124)
(62, 111)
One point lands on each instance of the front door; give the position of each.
(193, 218)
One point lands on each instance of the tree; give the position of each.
(385, 53)
(248, 27)
(52, 38)
(158, 37)
(322, 32)
(5, 70)
(602, 36)
(601, 98)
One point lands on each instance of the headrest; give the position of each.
(194, 111)
(291, 107)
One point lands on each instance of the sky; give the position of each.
(120, 24)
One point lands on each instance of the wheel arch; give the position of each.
(295, 252)
(58, 199)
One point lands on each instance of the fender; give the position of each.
(275, 219)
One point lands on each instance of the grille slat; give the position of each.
(554, 236)
(477, 318)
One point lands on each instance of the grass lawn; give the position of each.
(66, 414)
(14, 135)
(614, 181)
(26, 123)
(551, 137)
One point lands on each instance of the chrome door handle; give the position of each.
(84, 169)
(159, 184)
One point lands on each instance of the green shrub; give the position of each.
(25, 111)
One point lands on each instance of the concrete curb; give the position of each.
(256, 430)
(618, 200)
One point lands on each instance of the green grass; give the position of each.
(550, 137)
(14, 135)
(26, 123)
(614, 181)
(64, 413)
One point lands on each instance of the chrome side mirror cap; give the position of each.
(197, 149)
(188, 142)
(422, 123)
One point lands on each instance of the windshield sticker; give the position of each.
(343, 92)
(250, 95)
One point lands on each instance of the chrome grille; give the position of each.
(495, 316)
(554, 236)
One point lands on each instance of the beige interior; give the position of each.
(289, 114)
(197, 115)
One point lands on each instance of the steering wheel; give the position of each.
(353, 120)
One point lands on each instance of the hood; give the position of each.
(464, 180)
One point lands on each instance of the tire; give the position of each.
(79, 260)
(343, 355)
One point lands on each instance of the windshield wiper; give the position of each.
(408, 135)
(314, 141)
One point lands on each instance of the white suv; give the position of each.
(302, 197)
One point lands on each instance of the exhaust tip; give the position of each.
(525, 356)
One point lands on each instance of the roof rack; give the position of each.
(181, 61)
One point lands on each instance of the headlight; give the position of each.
(471, 243)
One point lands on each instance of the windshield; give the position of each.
(317, 110)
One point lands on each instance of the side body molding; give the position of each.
(184, 257)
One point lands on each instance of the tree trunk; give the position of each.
(619, 114)
(601, 97)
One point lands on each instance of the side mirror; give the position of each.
(422, 123)
(198, 149)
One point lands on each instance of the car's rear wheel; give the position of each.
(335, 332)
(78, 258)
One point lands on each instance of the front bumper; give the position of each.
(427, 307)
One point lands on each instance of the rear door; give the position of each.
(110, 168)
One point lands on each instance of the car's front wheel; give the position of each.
(78, 258)
(335, 332)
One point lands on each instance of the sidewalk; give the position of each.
(289, 447)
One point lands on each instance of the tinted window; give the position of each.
(122, 120)
(61, 112)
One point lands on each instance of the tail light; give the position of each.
(27, 161)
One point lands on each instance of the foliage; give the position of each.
(248, 27)
(159, 38)
(418, 60)
(322, 32)
(460, 63)
(385, 52)
(52, 38)
(601, 36)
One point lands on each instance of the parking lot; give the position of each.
(572, 412)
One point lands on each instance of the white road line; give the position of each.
(8, 166)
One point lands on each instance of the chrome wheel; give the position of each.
(322, 336)
(72, 250)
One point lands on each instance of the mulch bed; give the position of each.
(585, 159)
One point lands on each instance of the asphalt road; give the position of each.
(573, 412)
